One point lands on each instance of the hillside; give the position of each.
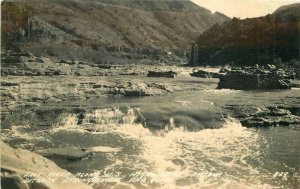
(156, 5)
(271, 39)
(75, 29)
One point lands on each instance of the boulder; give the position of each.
(140, 88)
(280, 115)
(253, 116)
(18, 165)
(67, 153)
(73, 153)
(269, 121)
(206, 74)
(169, 74)
(240, 80)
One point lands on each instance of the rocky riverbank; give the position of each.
(266, 116)
(257, 78)
(54, 81)
(21, 169)
(44, 100)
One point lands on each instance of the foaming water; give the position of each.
(135, 157)
(208, 158)
(104, 120)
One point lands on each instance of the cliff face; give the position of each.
(264, 40)
(99, 24)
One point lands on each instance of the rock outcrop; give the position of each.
(253, 116)
(73, 153)
(265, 116)
(169, 74)
(206, 74)
(21, 169)
(255, 78)
(240, 81)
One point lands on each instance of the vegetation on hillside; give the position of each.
(265, 40)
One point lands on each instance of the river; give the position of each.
(182, 140)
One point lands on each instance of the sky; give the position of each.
(244, 8)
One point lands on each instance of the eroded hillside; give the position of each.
(54, 27)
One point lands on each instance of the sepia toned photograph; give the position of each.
(150, 94)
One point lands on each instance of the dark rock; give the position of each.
(48, 73)
(104, 66)
(9, 84)
(28, 55)
(129, 73)
(275, 117)
(97, 86)
(16, 58)
(77, 74)
(57, 72)
(169, 74)
(242, 111)
(287, 122)
(252, 116)
(224, 70)
(39, 60)
(11, 59)
(279, 112)
(132, 91)
(295, 110)
(244, 81)
(252, 123)
(270, 121)
(38, 73)
(78, 110)
(13, 181)
(206, 74)
(80, 117)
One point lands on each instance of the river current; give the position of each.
(172, 141)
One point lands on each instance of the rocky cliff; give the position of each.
(271, 39)
(89, 29)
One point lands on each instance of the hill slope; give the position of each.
(101, 24)
(264, 40)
